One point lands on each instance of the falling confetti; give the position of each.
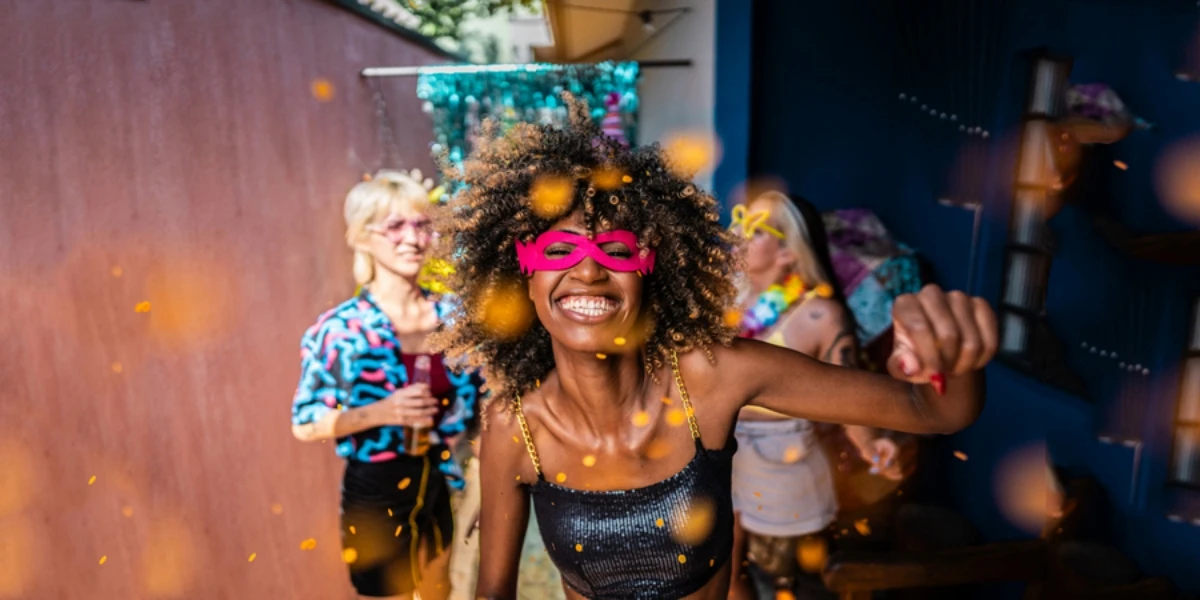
(607, 178)
(117, 367)
(349, 555)
(253, 555)
(1121, 165)
(1177, 180)
(758, 494)
(390, 512)
(353, 531)
(506, 311)
(784, 595)
(322, 90)
(697, 523)
(960, 455)
(516, 440)
(561, 477)
(277, 509)
(691, 152)
(811, 554)
(658, 523)
(445, 455)
(601, 355)
(116, 271)
(641, 418)
(550, 197)
(619, 341)
(104, 559)
(92, 480)
(863, 527)
(667, 400)
(404, 483)
(142, 307)
(791, 455)
(657, 449)
(308, 544)
(675, 417)
(399, 528)
(682, 559)
(127, 511)
(589, 461)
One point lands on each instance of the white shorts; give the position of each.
(782, 482)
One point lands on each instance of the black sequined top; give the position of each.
(665, 540)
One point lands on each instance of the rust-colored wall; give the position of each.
(172, 152)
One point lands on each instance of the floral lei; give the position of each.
(773, 302)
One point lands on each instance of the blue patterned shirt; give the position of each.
(351, 358)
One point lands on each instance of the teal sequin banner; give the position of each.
(459, 101)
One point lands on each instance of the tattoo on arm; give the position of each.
(842, 350)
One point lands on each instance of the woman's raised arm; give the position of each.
(943, 340)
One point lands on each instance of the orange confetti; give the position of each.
(253, 555)
(758, 494)
(404, 483)
(811, 554)
(516, 440)
(399, 528)
(960, 455)
(579, 547)
(518, 477)
(658, 523)
(322, 90)
(142, 307)
(823, 290)
(607, 178)
(445, 402)
(863, 527)
(697, 524)
(127, 511)
(682, 559)
(689, 153)
(506, 312)
(117, 367)
(784, 595)
(445, 455)
(116, 271)
(791, 455)
(641, 418)
(349, 556)
(601, 355)
(1121, 165)
(390, 512)
(104, 559)
(626, 179)
(733, 318)
(353, 531)
(561, 477)
(712, 561)
(278, 508)
(92, 480)
(589, 461)
(619, 341)
(667, 400)
(675, 417)
(308, 544)
(551, 197)
(657, 449)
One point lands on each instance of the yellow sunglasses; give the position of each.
(752, 222)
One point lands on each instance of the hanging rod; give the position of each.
(502, 68)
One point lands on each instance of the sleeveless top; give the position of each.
(664, 540)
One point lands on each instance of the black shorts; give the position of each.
(383, 526)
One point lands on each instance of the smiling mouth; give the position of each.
(588, 307)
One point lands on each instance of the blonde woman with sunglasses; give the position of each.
(783, 488)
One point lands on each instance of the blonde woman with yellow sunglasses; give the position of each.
(783, 488)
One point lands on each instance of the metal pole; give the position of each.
(501, 68)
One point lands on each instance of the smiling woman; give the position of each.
(629, 273)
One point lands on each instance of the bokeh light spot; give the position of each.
(142, 307)
(308, 544)
(697, 522)
(811, 554)
(349, 556)
(690, 153)
(1177, 180)
(551, 196)
(253, 555)
(322, 90)
(641, 418)
(675, 417)
(589, 461)
(404, 483)
(506, 311)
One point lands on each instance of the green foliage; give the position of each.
(445, 18)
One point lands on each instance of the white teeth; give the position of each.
(591, 306)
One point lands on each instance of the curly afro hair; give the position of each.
(686, 298)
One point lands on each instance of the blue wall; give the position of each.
(824, 117)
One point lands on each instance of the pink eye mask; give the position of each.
(532, 257)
